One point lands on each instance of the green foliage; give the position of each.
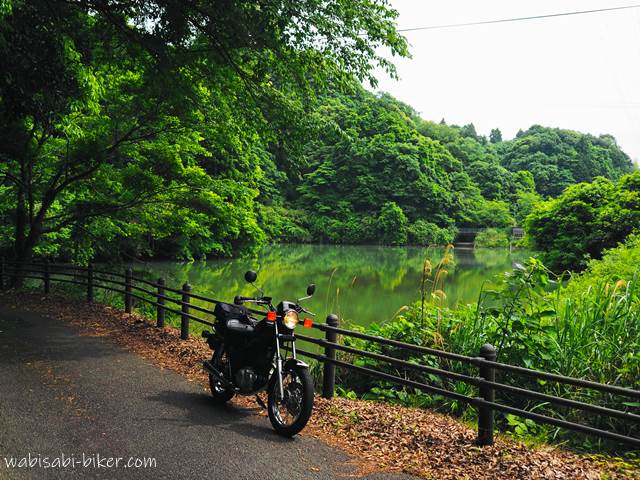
(559, 158)
(145, 131)
(619, 263)
(585, 220)
(525, 204)
(425, 233)
(489, 213)
(392, 224)
(373, 152)
(521, 427)
(588, 328)
(283, 224)
(494, 180)
(492, 238)
(179, 142)
(495, 136)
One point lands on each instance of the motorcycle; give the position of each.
(250, 356)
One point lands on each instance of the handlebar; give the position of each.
(239, 300)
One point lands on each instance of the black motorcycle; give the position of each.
(251, 355)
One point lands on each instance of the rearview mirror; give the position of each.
(250, 276)
(311, 289)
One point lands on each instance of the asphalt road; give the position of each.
(61, 393)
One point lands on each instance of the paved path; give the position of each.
(65, 393)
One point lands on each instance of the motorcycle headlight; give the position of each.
(290, 319)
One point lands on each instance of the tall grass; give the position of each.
(585, 326)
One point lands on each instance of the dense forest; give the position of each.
(379, 173)
(147, 125)
(181, 142)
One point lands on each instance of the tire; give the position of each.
(300, 389)
(218, 392)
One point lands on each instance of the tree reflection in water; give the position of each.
(361, 283)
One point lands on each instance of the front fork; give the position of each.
(279, 359)
(279, 363)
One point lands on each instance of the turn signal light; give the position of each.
(307, 323)
(271, 316)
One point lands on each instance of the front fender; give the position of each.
(294, 362)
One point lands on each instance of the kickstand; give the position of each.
(260, 402)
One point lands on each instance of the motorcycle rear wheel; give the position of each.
(219, 393)
(290, 415)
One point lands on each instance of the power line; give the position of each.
(518, 19)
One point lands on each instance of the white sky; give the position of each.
(580, 72)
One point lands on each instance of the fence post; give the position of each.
(90, 283)
(127, 290)
(160, 301)
(184, 321)
(329, 373)
(485, 413)
(47, 278)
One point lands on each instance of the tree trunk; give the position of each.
(24, 244)
(17, 270)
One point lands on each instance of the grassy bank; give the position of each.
(585, 326)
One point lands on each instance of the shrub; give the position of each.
(584, 221)
(425, 233)
(535, 321)
(492, 238)
(392, 224)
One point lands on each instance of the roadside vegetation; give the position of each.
(583, 325)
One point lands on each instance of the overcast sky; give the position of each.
(580, 72)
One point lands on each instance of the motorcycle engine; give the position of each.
(245, 379)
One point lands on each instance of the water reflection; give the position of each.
(360, 283)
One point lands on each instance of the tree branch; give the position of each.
(114, 208)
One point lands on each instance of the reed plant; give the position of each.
(584, 326)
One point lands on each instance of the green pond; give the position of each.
(362, 284)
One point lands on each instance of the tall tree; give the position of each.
(585, 220)
(495, 136)
(108, 106)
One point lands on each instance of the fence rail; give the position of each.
(158, 294)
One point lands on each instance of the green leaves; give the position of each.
(584, 221)
(559, 158)
(146, 128)
(374, 154)
(392, 224)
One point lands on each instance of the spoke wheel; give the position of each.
(290, 413)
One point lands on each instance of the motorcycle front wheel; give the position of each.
(290, 414)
